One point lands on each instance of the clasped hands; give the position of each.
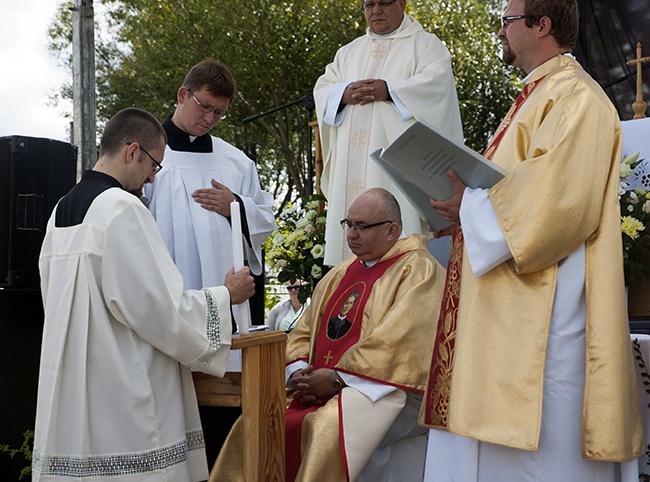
(365, 91)
(449, 209)
(313, 386)
(216, 198)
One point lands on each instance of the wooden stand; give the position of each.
(260, 390)
(318, 156)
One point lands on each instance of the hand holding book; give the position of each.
(418, 162)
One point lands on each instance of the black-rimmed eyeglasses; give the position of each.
(383, 4)
(157, 166)
(206, 109)
(345, 224)
(507, 21)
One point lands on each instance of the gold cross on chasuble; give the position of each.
(328, 357)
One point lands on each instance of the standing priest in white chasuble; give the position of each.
(376, 87)
(532, 375)
(116, 399)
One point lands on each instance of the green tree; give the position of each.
(486, 86)
(276, 50)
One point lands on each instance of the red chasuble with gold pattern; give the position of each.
(339, 329)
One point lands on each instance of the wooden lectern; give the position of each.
(260, 390)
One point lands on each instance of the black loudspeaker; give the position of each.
(34, 174)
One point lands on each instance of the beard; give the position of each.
(508, 57)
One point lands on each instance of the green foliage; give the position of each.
(635, 219)
(276, 49)
(486, 86)
(296, 248)
(270, 298)
(25, 450)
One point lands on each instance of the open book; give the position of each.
(418, 162)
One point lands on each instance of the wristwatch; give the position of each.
(337, 384)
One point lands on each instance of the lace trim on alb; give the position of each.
(212, 331)
(116, 465)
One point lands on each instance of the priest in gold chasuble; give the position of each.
(532, 375)
(354, 412)
(359, 357)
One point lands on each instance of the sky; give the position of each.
(28, 73)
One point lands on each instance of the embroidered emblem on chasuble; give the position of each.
(436, 407)
(359, 137)
(357, 284)
(379, 50)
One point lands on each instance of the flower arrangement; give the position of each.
(296, 248)
(635, 220)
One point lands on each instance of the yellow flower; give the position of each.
(631, 226)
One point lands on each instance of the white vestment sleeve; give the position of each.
(484, 241)
(144, 291)
(373, 390)
(403, 113)
(332, 115)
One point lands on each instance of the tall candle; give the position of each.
(241, 311)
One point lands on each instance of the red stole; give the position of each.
(355, 286)
(440, 373)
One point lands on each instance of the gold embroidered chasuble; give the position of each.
(563, 151)
(397, 314)
(394, 348)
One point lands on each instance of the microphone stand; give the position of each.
(308, 102)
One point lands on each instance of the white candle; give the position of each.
(241, 311)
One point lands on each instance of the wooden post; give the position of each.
(318, 156)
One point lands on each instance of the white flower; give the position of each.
(622, 187)
(631, 159)
(313, 204)
(278, 239)
(302, 223)
(288, 212)
(626, 170)
(630, 208)
(316, 271)
(633, 197)
(282, 263)
(318, 250)
(646, 207)
(311, 215)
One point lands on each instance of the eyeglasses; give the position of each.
(381, 5)
(206, 109)
(345, 224)
(157, 166)
(293, 288)
(507, 21)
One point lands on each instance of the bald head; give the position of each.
(374, 224)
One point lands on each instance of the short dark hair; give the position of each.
(131, 125)
(564, 15)
(214, 76)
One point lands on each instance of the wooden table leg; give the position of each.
(263, 408)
